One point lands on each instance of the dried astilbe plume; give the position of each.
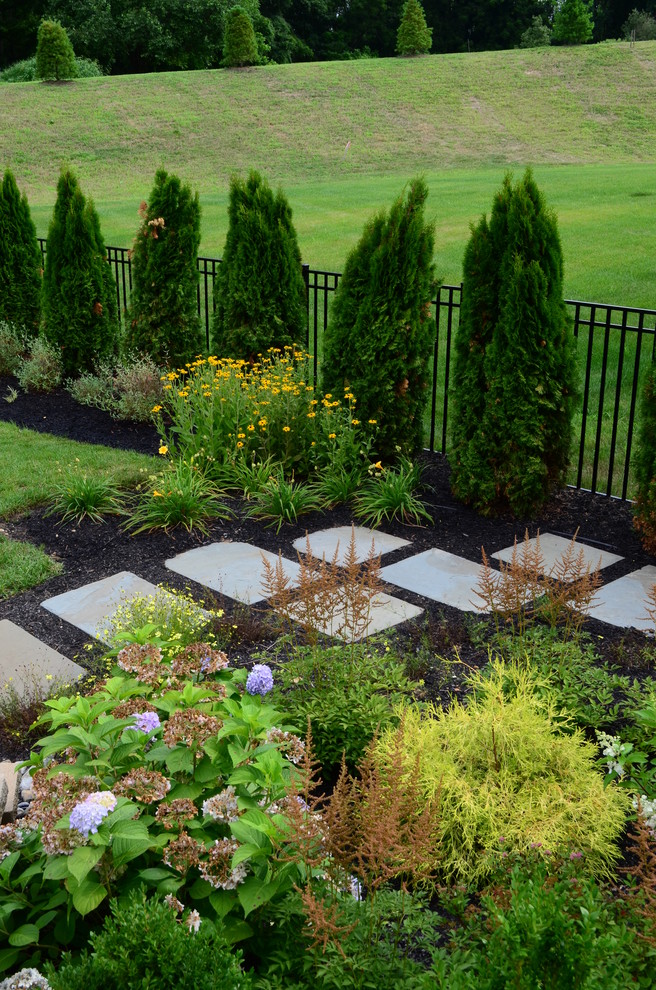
(643, 849)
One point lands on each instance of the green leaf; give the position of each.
(223, 901)
(56, 869)
(253, 893)
(154, 873)
(246, 851)
(245, 833)
(259, 820)
(235, 931)
(125, 850)
(83, 860)
(180, 759)
(25, 935)
(7, 865)
(7, 959)
(88, 896)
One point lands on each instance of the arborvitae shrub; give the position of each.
(239, 42)
(380, 336)
(537, 35)
(163, 318)
(514, 377)
(414, 37)
(20, 259)
(573, 24)
(259, 290)
(55, 58)
(644, 465)
(79, 294)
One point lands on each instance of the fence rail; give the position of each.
(615, 344)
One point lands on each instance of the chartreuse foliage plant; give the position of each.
(163, 316)
(259, 290)
(414, 36)
(20, 260)
(79, 296)
(644, 465)
(514, 374)
(380, 336)
(503, 767)
(174, 776)
(55, 58)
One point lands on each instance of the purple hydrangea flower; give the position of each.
(146, 721)
(87, 815)
(260, 679)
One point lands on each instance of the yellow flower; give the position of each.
(372, 422)
(378, 466)
(250, 427)
(355, 422)
(311, 415)
(157, 494)
(239, 444)
(156, 409)
(285, 429)
(241, 436)
(328, 395)
(331, 436)
(163, 449)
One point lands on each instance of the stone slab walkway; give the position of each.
(552, 549)
(438, 575)
(27, 664)
(232, 569)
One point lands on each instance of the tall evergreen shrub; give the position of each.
(414, 37)
(163, 318)
(55, 58)
(573, 23)
(239, 41)
(79, 296)
(259, 289)
(20, 259)
(514, 377)
(380, 336)
(644, 465)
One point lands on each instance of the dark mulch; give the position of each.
(89, 552)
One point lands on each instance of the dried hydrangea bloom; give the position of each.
(172, 814)
(143, 785)
(260, 680)
(292, 746)
(199, 659)
(131, 706)
(222, 807)
(217, 868)
(190, 727)
(192, 921)
(11, 837)
(144, 661)
(25, 979)
(182, 853)
(172, 902)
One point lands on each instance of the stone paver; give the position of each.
(10, 781)
(553, 547)
(232, 569)
(441, 576)
(385, 612)
(91, 606)
(26, 663)
(624, 602)
(325, 542)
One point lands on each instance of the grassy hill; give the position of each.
(584, 117)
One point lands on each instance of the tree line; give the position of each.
(157, 35)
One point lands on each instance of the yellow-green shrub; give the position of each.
(509, 779)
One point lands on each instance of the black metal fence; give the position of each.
(615, 344)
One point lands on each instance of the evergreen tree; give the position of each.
(20, 259)
(573, 24)
(380, 336)
(55, 58)
(644, 465)
(538, 35)
(514, 377)
(259, 289)
(78, 300)
(414, 36)
(239, 41)
(163, 318)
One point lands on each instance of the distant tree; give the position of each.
(259, 290)
(538, 35)
(55, 58)
(163, 316)
(573, 24)
(239, 42)
(644, 465)
(640, 25)
(90, 26)
(19, 22)
(78, 300)
(514, 373)
(20, 259)
(380, 336)
(413, 37)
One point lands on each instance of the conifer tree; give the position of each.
(259, 289)
(514, 379)
(78, 300)
(163, 318)
(55, 58)
(644, 465)
(573, 24)
(414, 37)
(20, 259)
(380, 336)
(239, 41)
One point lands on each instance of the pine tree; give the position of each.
(259, 289)
(380, 336)
(20, 259)
(163, 318)
(239, 42)
(78, 299)
(573, 24)
(414, 37)
(644, 465)
(514, 379)
(55, 58)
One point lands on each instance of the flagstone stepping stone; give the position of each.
(232, 569)
(91, 607)
(27, 664)
(624, 602)
(385, 612)
(438, 575)
(552, 549)
(10, 787)
(325, 542)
